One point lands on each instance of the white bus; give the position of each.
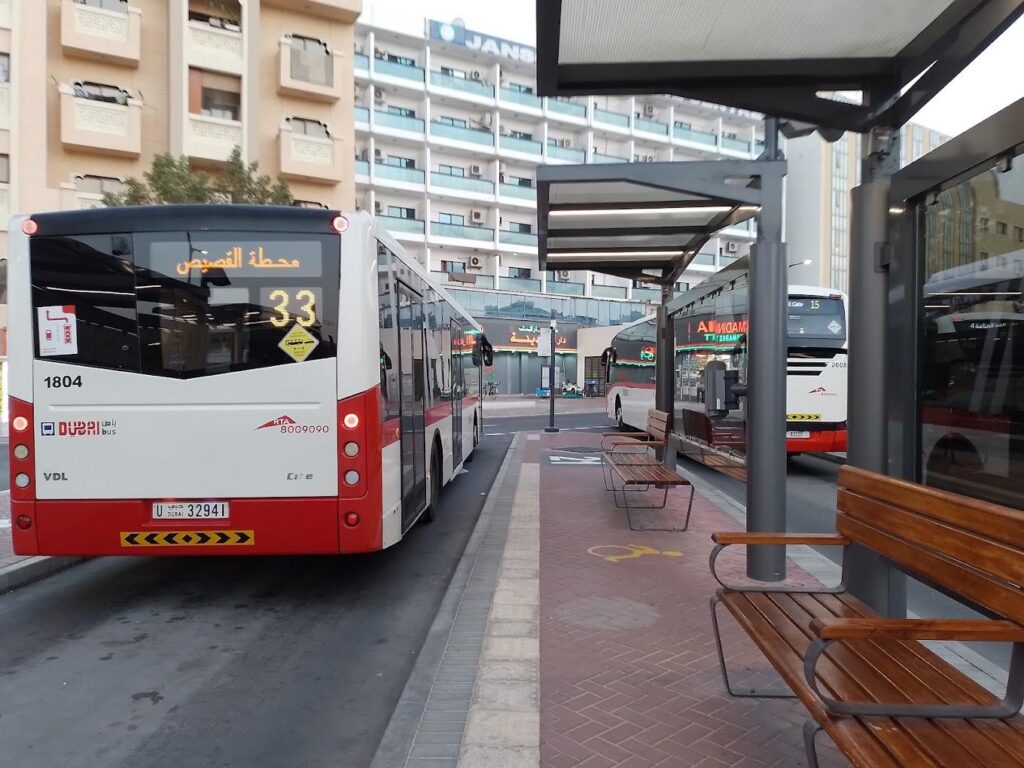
(714, 327)
(229, 379)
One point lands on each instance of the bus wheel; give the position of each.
(430, 513)
(618, 415)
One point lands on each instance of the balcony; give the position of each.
(397, 173)
(5, 206)
(699, 137)
(567, 108)
(528, 239)
(211, 138)
(98, 126)
(362, 169)
(361, 116)
(606, 117)
(215, 49)
(521, 98)
(522, 146)
(5, 106)
(651, 126)
(608, 291)
(470, 280)
(338, 10)
(565, 288)
(399, 224)
(599, 158)
(517, 191)
(98, 33)
(566, 153)
(736, 145)
(528, 284)
(462, 183)
(318, 159)
(457, 133)
(462, 232)
(462, 84)
(399, 122)
(395, 69)
(651, 295)
(316, 78)
(361, 64)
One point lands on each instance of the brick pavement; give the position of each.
(628, 668)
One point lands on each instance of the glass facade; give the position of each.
(839, 262)
(972, 338)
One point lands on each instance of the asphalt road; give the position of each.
(226, 662)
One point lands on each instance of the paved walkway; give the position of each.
(528, 405)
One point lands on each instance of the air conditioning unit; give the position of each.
(476, 170)
(565, 143)
(378, 154)
(476, 262)
(562, 274)
(648, 158)
(378, 208)
(731, 247)
(648, 110)
(476, 216)
(378, 94)
(476, 76)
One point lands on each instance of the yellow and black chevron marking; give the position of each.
(803, 417)
(187, 538)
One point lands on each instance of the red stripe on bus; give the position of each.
(365, 496)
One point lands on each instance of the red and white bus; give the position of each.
(229, 380)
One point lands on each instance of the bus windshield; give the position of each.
(812, 319)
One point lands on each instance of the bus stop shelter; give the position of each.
(786, 59)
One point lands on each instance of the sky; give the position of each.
(986, 86)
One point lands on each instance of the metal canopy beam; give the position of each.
(902, 75)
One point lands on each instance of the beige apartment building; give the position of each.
(93, 89)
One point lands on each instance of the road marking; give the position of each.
(495, 434)
(187, 538)
(575, 461)
(615, 553)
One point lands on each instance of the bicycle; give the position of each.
(491, 389)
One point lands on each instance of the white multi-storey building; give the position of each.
(450, 131)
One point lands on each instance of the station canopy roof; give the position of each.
(787, 58)
(640, 220)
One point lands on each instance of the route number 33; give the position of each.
(283, 301)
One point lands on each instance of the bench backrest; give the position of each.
(657, 424)
(968, 547)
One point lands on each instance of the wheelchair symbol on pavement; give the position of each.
(615, 553)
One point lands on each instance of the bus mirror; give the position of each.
(487, 351)
(608, 359)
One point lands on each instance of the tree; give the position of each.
(173, 180)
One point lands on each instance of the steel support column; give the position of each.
(665, 356)
(871, 577)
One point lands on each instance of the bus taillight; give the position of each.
(351, 420)
(22, 450)
(352, 519)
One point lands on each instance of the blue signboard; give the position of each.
(481, 43)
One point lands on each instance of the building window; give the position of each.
(523, 272)
(453, 266)
(118, 6)
(306, 127)
(401, 212)
(451, 170)
(451, 218)
(396, 161)
(521, 135)
(109, 94)
(229, 13)
(519, 87)
(1001, 228)
(214, 95)
(98, 185)
(1018, 234)
(983, 224)
(452, 72)
(401, 111)
(311, 61)
(308, 204)
(515, 226)
(405, 61)
(456, 122)
(5, 169)
(5, 67)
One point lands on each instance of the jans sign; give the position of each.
(475, 41)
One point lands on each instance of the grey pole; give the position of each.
(871, 578)
(664, 371)
(551, 379)
(766, 382)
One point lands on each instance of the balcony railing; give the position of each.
(401, 224)
(565, 288)
(518, 238)
(479, 281)
(211, 138)
(520, 97)
(608, 291)
(515, 144)
(480, 234)
(517, 190)
(362, 168)
(457, 133)
(397, 173)
(215, 48)
(398, 122)
(689, 134)
(394, 69)
(567, 108)
(464, 183)
(529, 284)
(362, 116)
(567, 153)
(737, 145)
(651, 126)
(97, 126)
(361, 62)
(464, 84)
(611, 118)
(647, 294)
(310, 158)
(599, 158)
(108, 34)
(308, 75)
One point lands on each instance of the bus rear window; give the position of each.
(190, 304)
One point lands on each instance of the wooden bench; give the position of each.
(868, 681)
(630, 467)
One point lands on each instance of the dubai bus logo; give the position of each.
(822, 391)
(280, 421)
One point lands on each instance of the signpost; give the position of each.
(547, 341)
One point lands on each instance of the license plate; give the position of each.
(798, 435)
(190, 510)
